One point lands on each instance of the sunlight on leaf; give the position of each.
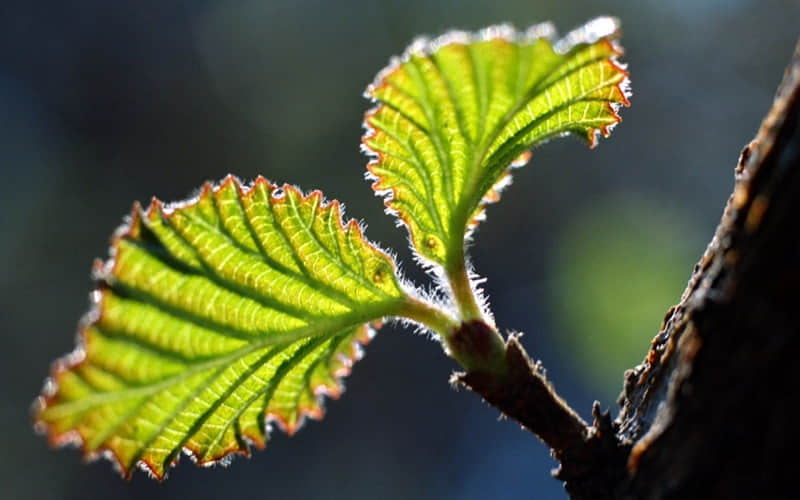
(454, 114)
(212, 318)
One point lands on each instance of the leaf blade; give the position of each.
(214, 317)
(453, 115)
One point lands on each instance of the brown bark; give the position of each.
(592, 459)
(722, 367)
(709, 412)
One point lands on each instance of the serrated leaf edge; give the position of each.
(101, 269)
(603, 27)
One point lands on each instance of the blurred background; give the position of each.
(103, 103)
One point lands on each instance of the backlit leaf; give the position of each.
(454, 114)
(213, 317)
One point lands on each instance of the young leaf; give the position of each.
(212, 317)
(454, 114)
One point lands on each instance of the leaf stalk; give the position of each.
(463, 294)
(429, 315)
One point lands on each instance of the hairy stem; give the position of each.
(429, 315)
(463, 294)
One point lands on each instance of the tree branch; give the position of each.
(708, 414)
(592, 460)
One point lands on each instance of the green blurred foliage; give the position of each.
(618, 265)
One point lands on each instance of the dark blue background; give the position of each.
(103, 102)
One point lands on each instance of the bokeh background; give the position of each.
(103, 103)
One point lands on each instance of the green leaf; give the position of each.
(213, 317)
(454, 114)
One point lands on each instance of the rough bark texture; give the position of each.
(709, 412)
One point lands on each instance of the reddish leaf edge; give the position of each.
(601, 28)
(130, 227)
